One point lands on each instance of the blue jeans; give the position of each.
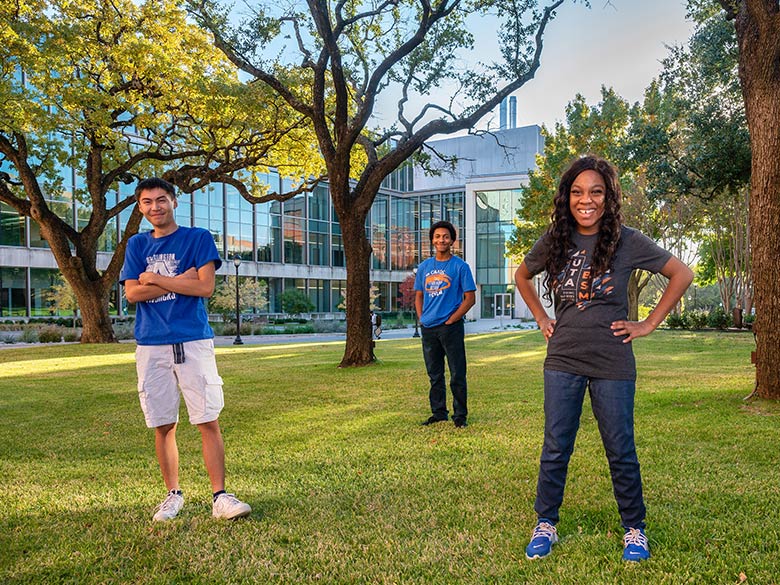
(613, 406)
(438, 342)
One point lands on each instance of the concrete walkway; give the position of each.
(472, 328)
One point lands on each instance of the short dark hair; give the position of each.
(155, 183)
(443, 224)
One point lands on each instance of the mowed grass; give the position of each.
(347, 487)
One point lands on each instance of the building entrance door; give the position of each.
(502, 305)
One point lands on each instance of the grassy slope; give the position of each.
(347, 487)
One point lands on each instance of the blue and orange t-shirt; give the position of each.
(443, 284)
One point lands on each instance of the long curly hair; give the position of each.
(563, 224)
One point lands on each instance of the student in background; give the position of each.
(444, 294)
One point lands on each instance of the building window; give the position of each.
(378, 232)
(13, 292)
(294, 230)
(12, 227)
(239, 225)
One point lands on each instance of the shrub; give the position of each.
(748, 320)
(676, 321)
(124, 330)
(295, 302)
(9, 337)
(718, 319)
(73, 335)
(29, 335)
(50, 334)
(696, 319)
(295, 329)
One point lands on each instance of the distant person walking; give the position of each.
(376, 325)
(588, 256)
(444, 293)
(168, 273)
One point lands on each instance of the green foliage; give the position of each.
(606, 129)
(61, 297)
(677, 321)
(719, 319)
(295, 302)
(115, 92)
(70, 335)
(252, 295)
(298, 329)
(697, 319)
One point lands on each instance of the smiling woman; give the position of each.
(589, 257)
(586, 201)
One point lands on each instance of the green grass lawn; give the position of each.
(347, 487)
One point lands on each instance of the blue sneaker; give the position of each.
(635, 547)
(545, 535)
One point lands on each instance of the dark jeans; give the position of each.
(613, 406)
(438, 342)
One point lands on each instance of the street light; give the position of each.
(416, 332)
(237, 340)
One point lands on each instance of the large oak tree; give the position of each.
(353, 54)
(120, 90)
(757, 23)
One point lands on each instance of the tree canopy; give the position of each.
(110, 92)
(346, 55)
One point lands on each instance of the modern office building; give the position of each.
(298, 243)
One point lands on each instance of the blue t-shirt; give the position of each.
(443, 285)
(172, 317)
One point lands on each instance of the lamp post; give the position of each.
(237, 340)
(416, 331)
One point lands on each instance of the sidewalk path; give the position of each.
(472, 328)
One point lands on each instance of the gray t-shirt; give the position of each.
(582, 342)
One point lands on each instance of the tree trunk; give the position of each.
(95, 317)
(633, 296)
(359, 350)
(758, 34)
(90, 287)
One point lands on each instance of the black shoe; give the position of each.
(460, 423)
(433, 420)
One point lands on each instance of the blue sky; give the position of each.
(618, 44)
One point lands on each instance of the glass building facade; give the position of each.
(280, 243)
(295, 244)
(495, 211)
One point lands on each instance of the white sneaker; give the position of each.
(229, 506)
(169, 508)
